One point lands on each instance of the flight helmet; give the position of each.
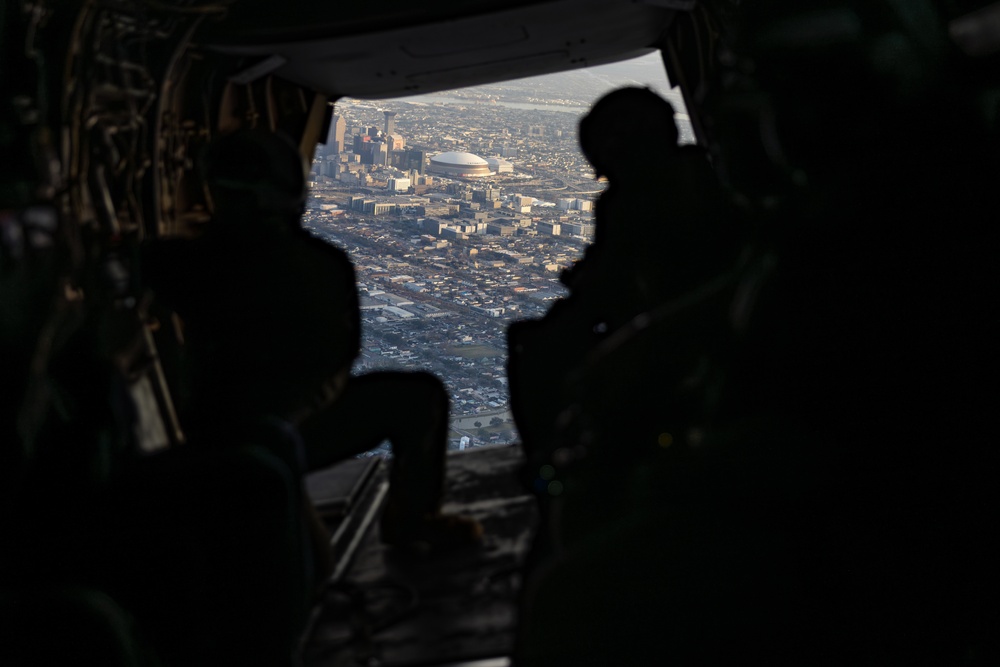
(254, 171)
(626, 126)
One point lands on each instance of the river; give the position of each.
(442, 99)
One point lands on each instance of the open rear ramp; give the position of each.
(386, 607)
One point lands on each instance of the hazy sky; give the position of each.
(646, 70)
(589, 84)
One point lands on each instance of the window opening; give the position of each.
(459, 209)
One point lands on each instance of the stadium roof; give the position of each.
(460, 159)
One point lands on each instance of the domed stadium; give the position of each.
(461, 165)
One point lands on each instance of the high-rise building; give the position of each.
(407, 160)
(395, 142)
(380, 154)
(335, 137)
(415, 160)
(372, 152)
(390, 122)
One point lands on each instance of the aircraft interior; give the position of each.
(784, 456)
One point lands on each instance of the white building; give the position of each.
(398, 312)
(399, 184)
(499, 165)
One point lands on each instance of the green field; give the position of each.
(473, 351)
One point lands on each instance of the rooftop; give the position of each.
(460, 159)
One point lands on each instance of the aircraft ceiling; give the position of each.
(396, 48)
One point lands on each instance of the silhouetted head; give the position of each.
(255, 175)
(625, 127)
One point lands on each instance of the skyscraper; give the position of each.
(395, 142)
(359, 141)
(415, 160)
(390, 122)
(380, 154)
(335, 138)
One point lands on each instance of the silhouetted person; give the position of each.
(258, 347)
(272, 316)
(839, 511)
(661, 226)
(274, 327)
(605, 383)
(272, 324)
(662, 230)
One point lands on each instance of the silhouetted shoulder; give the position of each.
(341, 283)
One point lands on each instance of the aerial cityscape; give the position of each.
(459, 210)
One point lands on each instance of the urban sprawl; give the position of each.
(459, 214)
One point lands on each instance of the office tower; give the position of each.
(395, 142)
(335, 138)
(367, 150)
(415, 160)
(390, 122)
(381, 154)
